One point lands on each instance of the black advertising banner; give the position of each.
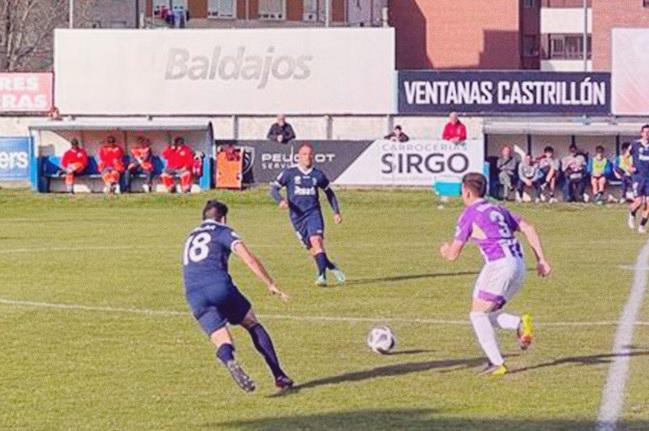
(264, 160)
(367, 163)
(427, 91)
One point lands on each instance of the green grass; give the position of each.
(65, 369)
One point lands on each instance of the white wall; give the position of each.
(565, 65)
(565, 20)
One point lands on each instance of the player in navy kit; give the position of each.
(214, 299)
(303, 202)
(640, 180)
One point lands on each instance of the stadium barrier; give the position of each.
(366, 163)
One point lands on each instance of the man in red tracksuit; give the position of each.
(74, 162)
(141, 161)
(455, 130)
(111, 165)
(180, 161)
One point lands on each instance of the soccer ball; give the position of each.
(381, 340)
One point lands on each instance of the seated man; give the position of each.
(74, 162)
(397, 135)
(623, 171)
(180, 162)
(599, 168)
(507, 166)
(527, 178)
(574, 170)
(142, 162)
(548, 171)
(111, 165)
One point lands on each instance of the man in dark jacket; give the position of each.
(281, 131)
(397, 135)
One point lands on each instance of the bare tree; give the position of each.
(27, 31)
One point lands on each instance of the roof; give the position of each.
(124, 124)
(545, 127)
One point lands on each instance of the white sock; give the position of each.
(504, 320)
(486, 335)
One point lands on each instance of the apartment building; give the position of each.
(268, 13)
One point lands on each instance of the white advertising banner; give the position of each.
(630, 69)
(413, 163)
(233, 71)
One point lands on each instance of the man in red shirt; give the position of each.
(111, 164)
(180, 161)
(454, 131)
(141, 161)
(75, 161)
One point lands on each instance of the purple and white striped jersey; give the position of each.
(492, 228)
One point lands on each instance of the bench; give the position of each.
(50, 168)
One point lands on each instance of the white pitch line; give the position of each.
(350, 319)
(614, 390)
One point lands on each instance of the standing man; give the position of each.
(141, 162)
(507, 166)
(216, 301)
(640, 155)
(454, 131)
(493, 229)
(111, 165)
(180, 162)
(281, 131)
(74, 162)
(303, 202)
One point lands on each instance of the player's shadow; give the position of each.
(406, 277)
(408, 352)
(390, 419)
(391, 371)
(603, 358)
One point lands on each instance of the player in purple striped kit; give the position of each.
(493, 229)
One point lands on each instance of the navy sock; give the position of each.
(643, 221)
(264, 345)
(633, 212)
(225, 353)
(321, 261)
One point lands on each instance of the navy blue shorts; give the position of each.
(216, 306)
(307, 226)
(640, 186)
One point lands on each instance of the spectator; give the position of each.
(141, 162)
(623, 171)
(180, 162)
(527, 178)
(454, 131)
(548, 172)
(507, 166)
(74, 162)
(599, 168)
(281, 131)
(397, 135)
(574, 170)
(111, 165)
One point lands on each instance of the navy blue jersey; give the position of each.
(302, 189)
(206, 254)
(640, 154)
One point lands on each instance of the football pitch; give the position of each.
(96, 334)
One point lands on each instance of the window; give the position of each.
(221, 9)
(272, 9)
(530, 46)
(158, 6)
(180, 5)
(310, 10)
(528, 4)
(568, 47)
